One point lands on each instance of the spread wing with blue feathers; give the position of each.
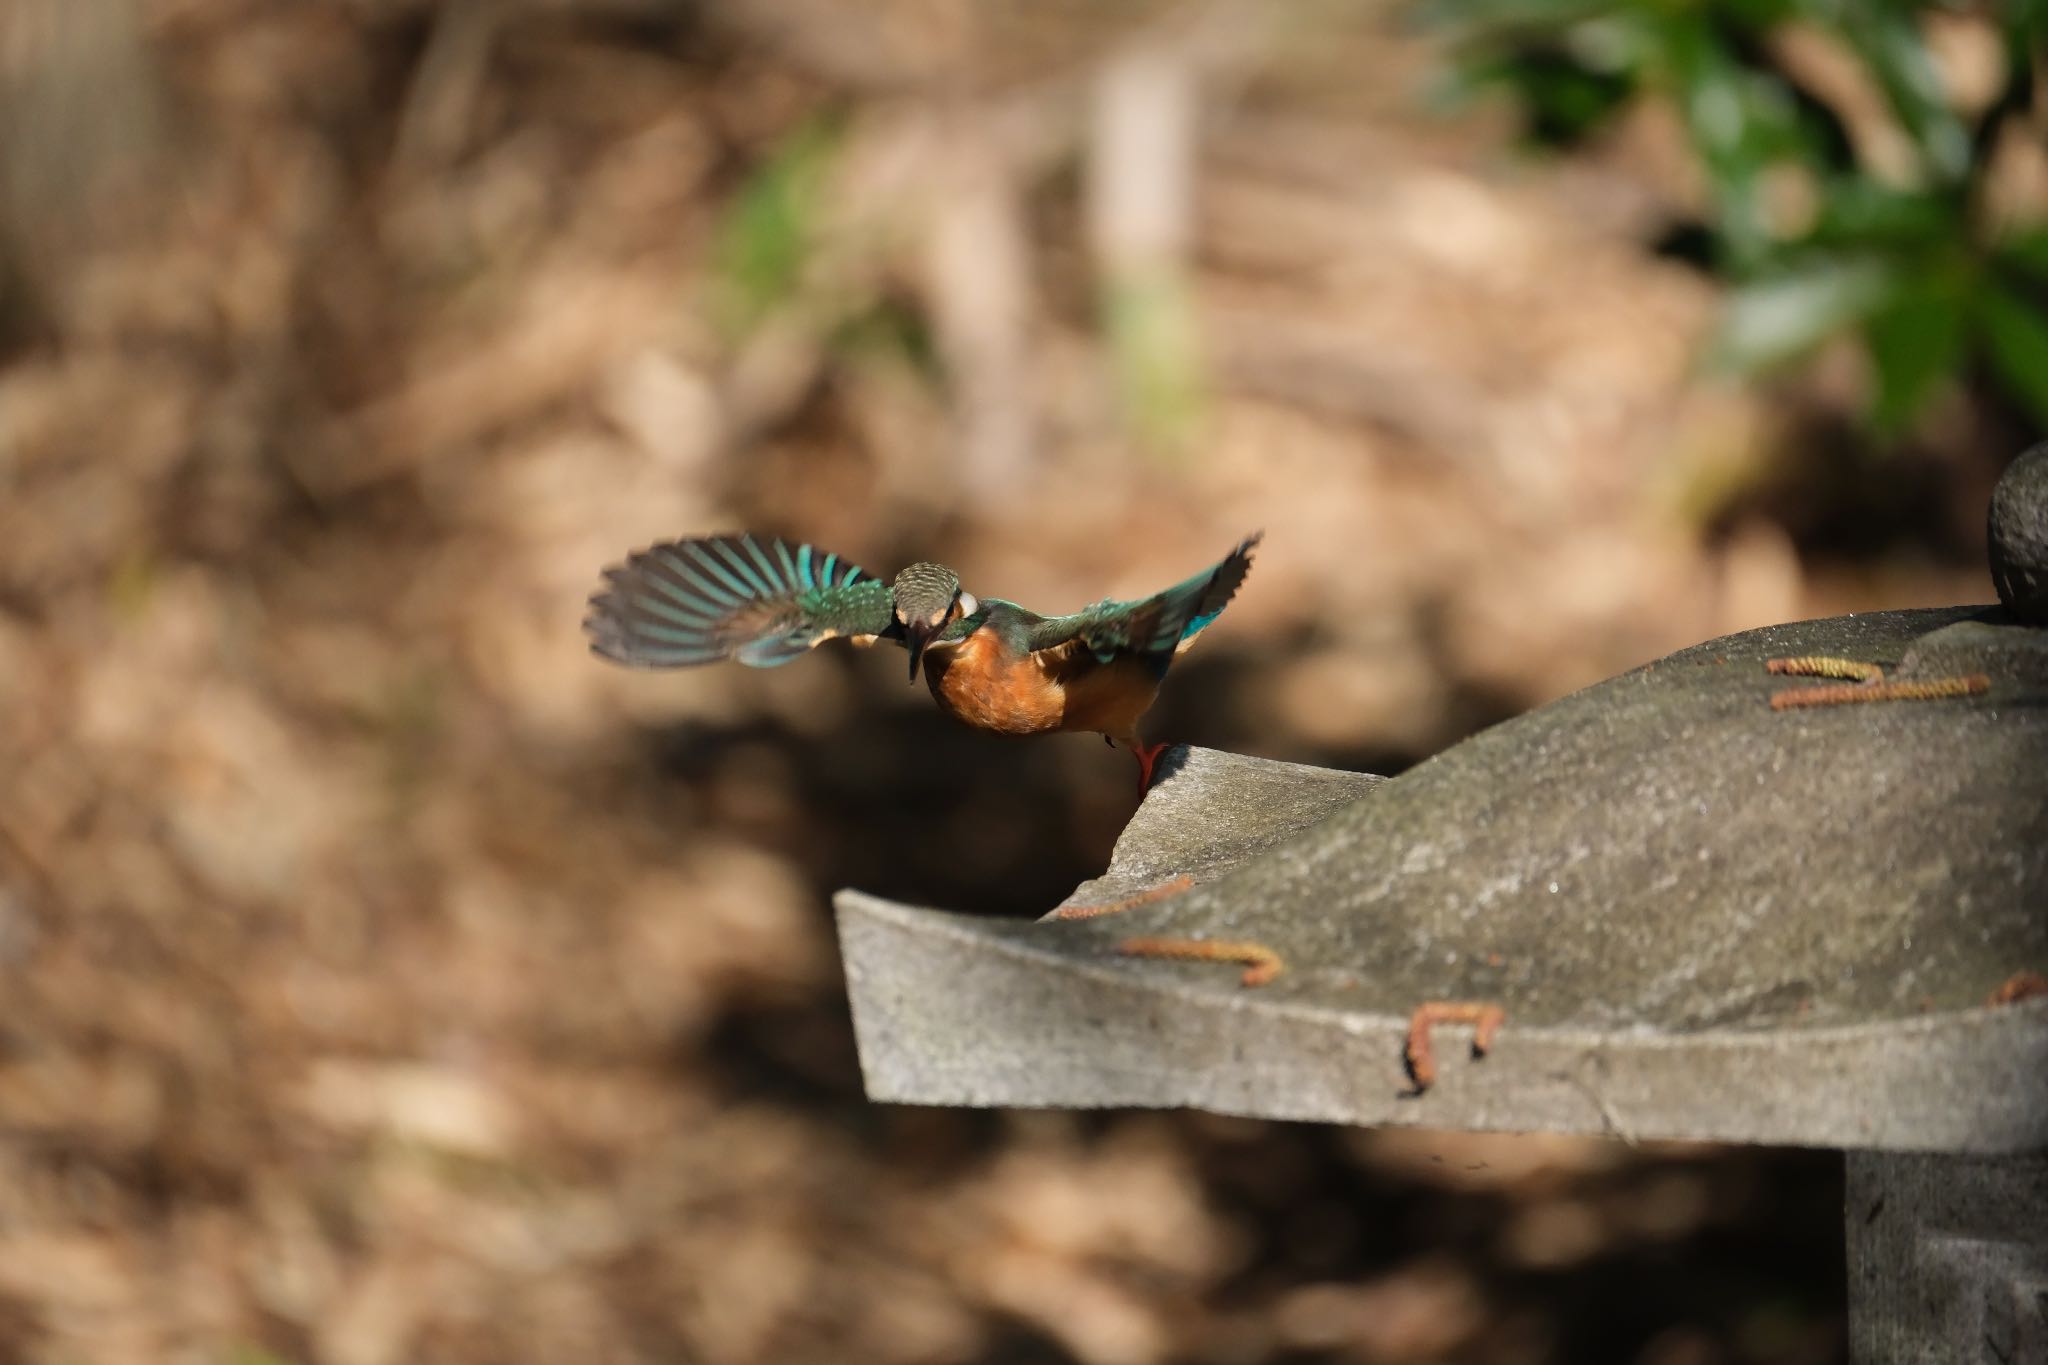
(762, 601)
(1156, 626)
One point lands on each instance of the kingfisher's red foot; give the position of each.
(1148, 754)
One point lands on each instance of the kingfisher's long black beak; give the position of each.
(919, 635)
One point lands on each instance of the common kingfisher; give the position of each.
(993, 664)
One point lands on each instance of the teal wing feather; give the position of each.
(759, 600)
(1154, 626)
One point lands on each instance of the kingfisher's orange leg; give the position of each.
(1148, 756)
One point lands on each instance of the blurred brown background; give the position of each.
(387, 980)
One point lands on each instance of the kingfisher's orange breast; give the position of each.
(1056, 689)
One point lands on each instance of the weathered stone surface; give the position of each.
(1704, 918)
(1216, 812)
(1989, 643)
(2018, 526)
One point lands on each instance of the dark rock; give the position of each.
(2018, 526)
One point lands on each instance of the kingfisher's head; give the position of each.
(928, 600)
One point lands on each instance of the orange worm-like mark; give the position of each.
(1486, 1018)
(1968, 686)
(1261, 964)
(2019, 986)
(1132, 902)
(1868, 685)
(1825, 666)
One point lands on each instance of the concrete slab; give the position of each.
(1705, 919)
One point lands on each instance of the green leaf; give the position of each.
(1859, 212)
(2016, 344)
(1916, 341)
(1758, 16)
(1886, 35)
(1568, 65)
(2026, 252)
(1740, 120)
(1562, 101)
(1779, 318)
(1482, 19)
(770, 231)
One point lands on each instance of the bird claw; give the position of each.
(1148, 756)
